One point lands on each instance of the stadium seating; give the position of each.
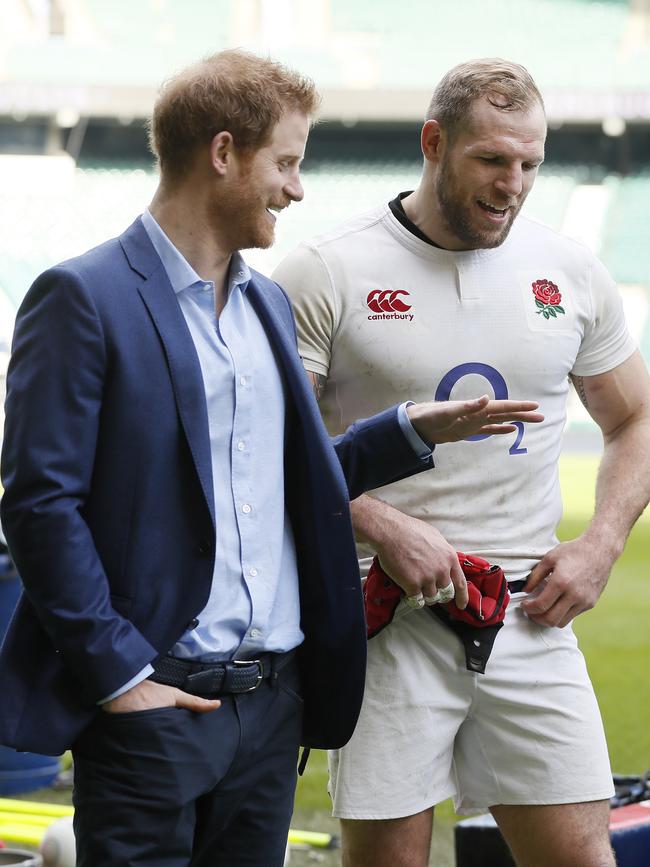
(626, 244)
(549, 198)
(585, 43)
(107, 45)
(579, 35)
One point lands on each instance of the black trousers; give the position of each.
(171, 788)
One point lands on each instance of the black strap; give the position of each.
(304, 758)
(477, 641)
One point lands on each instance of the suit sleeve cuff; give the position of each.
(421, 448)
(140, 676)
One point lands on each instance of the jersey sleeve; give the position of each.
(606, 342)
(305, 278)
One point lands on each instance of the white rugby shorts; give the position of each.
(528, 731)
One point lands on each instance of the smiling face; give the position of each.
(265, 182)
(483, 175)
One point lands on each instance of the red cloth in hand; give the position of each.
(487, 589)
(381, 597)
(486, 584)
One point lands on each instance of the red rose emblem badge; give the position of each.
(547, 298)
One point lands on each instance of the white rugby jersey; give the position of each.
(388, 317)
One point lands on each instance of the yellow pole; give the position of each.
(35, 808)
(26, 819)
(312, 838)
(30, 834)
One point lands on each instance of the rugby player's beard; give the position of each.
(457, 215)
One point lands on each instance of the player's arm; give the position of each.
(318, 382)
(574, 574)
(414, 554)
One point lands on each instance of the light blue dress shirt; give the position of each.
(254, 603)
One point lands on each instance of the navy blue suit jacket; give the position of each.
(108, 505)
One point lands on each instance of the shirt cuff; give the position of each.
(421, 448)
(140, 676)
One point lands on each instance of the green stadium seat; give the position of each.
(563, 42)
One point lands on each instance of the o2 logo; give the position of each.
(499, 387)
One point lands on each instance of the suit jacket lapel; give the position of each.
(274, 313)
(182, 360)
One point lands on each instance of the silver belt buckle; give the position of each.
(240, 663)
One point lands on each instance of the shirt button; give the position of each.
(252, 572)
(255, 633)
(246, 508)
(242, 380)
(241, 445)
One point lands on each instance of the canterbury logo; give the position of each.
(387, 301)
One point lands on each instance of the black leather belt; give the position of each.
(517, 586)
(232, 676)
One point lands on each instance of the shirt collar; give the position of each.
(180, 272)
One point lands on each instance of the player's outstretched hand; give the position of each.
(453, 420)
